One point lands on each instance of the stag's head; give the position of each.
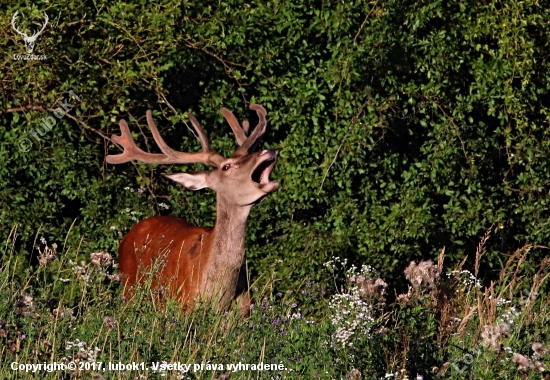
(241, 180)
(29, 40)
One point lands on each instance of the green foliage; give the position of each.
(406, 126)
(445, 326)
(66, 312)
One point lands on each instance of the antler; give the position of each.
(206, 156)
(169, 156)
(247, 144)
(43, 27)
(13, 19)
(36, 33)
(253, 140)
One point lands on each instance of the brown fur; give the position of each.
(182, 248)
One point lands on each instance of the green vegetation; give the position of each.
(446, 326)
(407, 127)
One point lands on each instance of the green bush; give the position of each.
(406, 126)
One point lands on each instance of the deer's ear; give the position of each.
(192, 181)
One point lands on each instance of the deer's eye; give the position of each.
(226, 167)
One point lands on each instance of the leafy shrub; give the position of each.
(405, 126)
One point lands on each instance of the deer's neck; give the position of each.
(228, 251)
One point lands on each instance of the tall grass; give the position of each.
(67, 307)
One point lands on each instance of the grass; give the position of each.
(68, 308)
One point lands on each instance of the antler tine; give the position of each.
(202, 136)
(213, 159)
(240, 133)
(131, 151)
(246, 125)
(250, 144)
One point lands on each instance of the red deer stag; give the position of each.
(199, 262)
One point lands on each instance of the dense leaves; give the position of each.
(405, 126)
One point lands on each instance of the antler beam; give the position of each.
(169, 156)
(13, 20)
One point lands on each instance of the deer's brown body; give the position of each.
(193, 261)
(178, 249)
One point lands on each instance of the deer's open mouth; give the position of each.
(260, 174)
